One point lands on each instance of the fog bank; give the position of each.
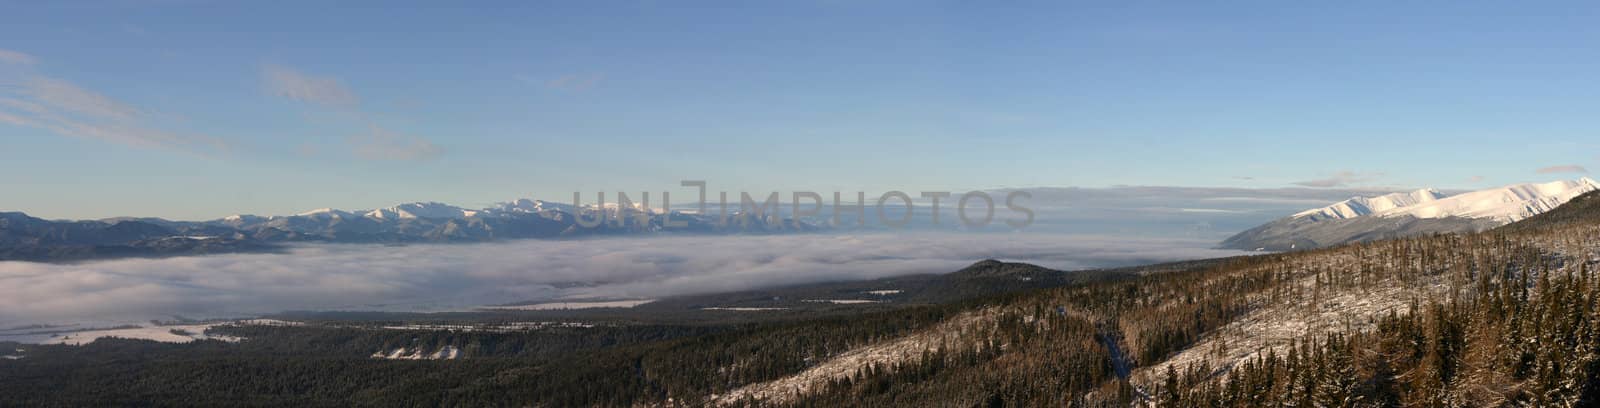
(455, 277)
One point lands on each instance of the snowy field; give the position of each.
(178, 333)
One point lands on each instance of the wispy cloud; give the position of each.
(383, 144)
(377, 143)
(1474, 179)
(1568, 168)
(293, 84)
(15, 57)
(1340, 179)
(68, 96)
(68, 109)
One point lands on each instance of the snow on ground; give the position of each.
(946, 334)
(443, 353)
(574, 305)
(885, 292)
(1275, 326)
(164, 334)
(180, 333)
(842, 301)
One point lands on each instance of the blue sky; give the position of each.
(196, 110)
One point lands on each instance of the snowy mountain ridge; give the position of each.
(1361, 206)
(1420, 212)
(1504, 204)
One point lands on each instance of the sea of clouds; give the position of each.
(458, 277)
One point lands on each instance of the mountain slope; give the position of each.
(1360, 206)
(1504, 205)
(32, 239)
(1584, 209)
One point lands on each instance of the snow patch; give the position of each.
(946, 335)
(164, 334)
(180, 333)
(443, 353)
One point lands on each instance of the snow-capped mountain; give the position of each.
(1360, 206)
(436, 222)
(28, 238)
(1418, 212)
(1504, 205)
(422, 210)
(325, 213)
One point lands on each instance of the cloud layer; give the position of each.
(1569, 168)
(443, 277)
(1340, 179)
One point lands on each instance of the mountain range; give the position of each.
(1420, 212)
(23, 237)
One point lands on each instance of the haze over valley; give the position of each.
(728, 204)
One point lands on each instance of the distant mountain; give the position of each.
(27, 238)
(1425, 211)
(422, 210)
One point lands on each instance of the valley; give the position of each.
(992, 333)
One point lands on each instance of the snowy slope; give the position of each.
(325, 213)
(1360, 206)
(1505, 204)
(1418, 212)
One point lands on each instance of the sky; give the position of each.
(198, 110)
